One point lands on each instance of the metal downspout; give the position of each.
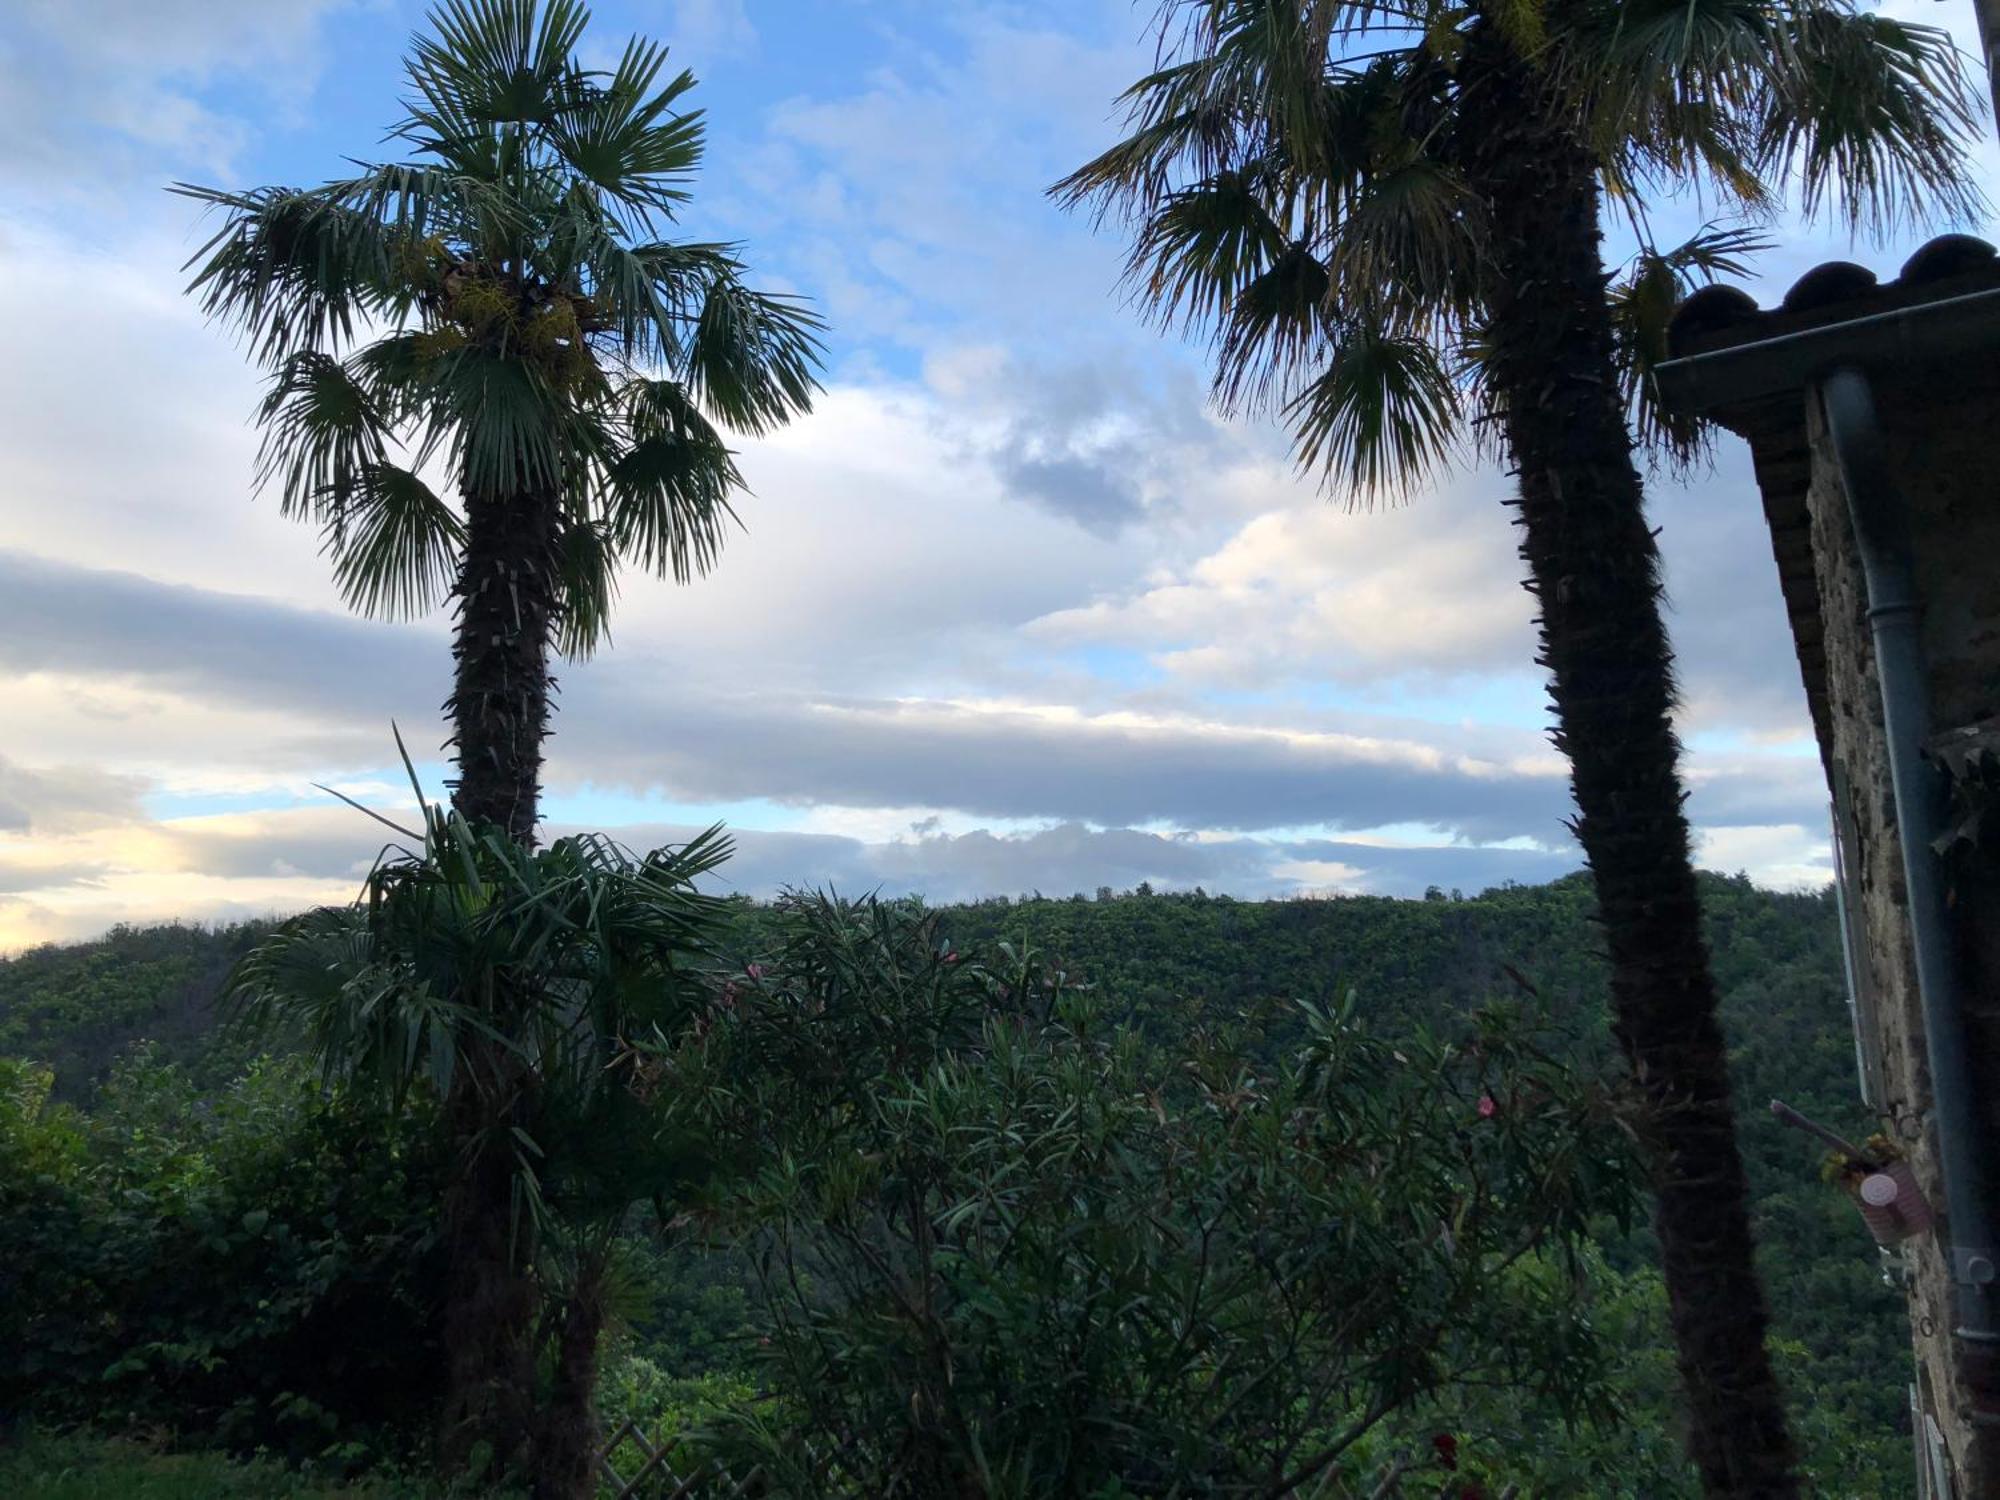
(1881, 537)
(1987, 13)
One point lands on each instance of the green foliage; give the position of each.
(251, 1263)
(85, 1468)
(1512, 1436)
(1170, 966)
(530, 972)
(512, 987)
(1008, 1248)
(687, 1305)
(1173, 962)
(666, 1408)
(76, 1006)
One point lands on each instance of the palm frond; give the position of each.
(1289, 197)
(644, 299)
(1664, 85)
(395, 548)
(1643, 303)
(1277, 330)
(1174, 124)
(1194, 255)
(1410, 232)
(1871, 116)
(587, 580)
(625, 138)
(425, 205)
(668, 490)
(323, 429)
(493, 62)
(291, 270)
(498, 419)
(1381, 420)
(752, 356)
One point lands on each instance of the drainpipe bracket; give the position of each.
(1972, 1266)
(1973, 1270)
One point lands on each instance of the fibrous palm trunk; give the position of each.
(500, 710)
(499, 705)
(488, 1418)
(567, 1436)
(1595, 573)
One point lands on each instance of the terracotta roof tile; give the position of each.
(1835, 291)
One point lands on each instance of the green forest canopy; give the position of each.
(1171, 961)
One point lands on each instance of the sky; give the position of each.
(1013, 610)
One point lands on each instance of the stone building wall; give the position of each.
(1940, 453)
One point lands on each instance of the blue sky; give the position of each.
(1013, 609)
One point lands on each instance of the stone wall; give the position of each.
(1940, 452)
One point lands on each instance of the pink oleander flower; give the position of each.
(1488, 1108)
(755, 971)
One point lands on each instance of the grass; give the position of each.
(76, 1467)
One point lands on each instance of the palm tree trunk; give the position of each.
(500, 711)
(500, 696)
(487, 1420)
(566, 1446)
(1595, 573)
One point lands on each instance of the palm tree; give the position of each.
(1387, 217)
(567, 960)
(535, 344)
(493, 379)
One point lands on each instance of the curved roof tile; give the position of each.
(1717, 316)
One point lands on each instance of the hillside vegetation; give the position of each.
(1174, 965)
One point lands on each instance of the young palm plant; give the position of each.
(560, 962)
(1387, 215)
(493, 378)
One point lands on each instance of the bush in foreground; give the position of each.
(1007, 1248)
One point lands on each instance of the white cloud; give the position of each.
(55, 800)
(1790, 856)
(126, 423)
(1022, 590)
(103, 89)
(232, 866)
(705, 31)
(1316, 592)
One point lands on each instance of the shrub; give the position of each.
(1006, 1248)
(253, 1264)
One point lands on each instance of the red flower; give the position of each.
(951, 957)
(1487, 1107)
(1447, 1449)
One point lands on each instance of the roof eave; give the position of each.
(1728, 379)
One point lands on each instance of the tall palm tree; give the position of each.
(1387, 216)
(494, 379)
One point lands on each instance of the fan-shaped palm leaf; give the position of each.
(1643, 302)
(395, 545)
(1381, 418)
(323, 429)
(752, 356)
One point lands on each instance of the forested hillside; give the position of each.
(1178, 962)
(1777, 958)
